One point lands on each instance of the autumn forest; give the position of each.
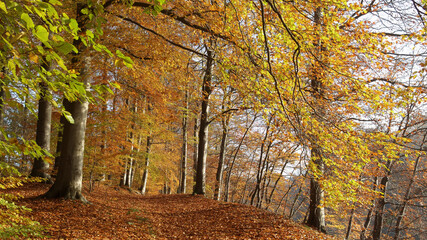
(305, 111)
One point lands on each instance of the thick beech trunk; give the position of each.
(183, 165)
(68, 183)
(44, 122)
(203, 129)
(316, 216)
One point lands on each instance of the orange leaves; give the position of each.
(120, 214)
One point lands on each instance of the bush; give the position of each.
(13, 222)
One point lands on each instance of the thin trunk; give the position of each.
(147, 155)
(147, 163)
(125, 174)
(130, 171)
(2, 96)
(68, 183)
(380, 206)
(44, 122)
(204, 126)
(349, 225)
(285, 197)
(220, 169)
(195, 144)
(183, 167)
(378, 220)
(407, 194)
(278, 179)
(267, 175)
(260, 169)
(291, 210)
(23, 164)
(369, 215)
(230, 168)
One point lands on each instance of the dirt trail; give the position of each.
(119, 214)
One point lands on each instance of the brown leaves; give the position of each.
(119, 214)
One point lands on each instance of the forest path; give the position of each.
(119, 214)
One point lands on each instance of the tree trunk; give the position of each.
(68, 183)
(350, 224)
(316, 217)
(44, 121)
(268, 200)
(130, 172)
(124, 178)
(380, 205)
(2, 96)
(220, 169)
(369, 215)
(406, 199)
(203, 129)
(147, 154)
(183, 167)
(62, 122)
(230, 168)
(261, 165)
(195, 153)
(147, 163)
(379, 213)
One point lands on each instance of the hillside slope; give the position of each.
(119, 214)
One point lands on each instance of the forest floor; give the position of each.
(116, 213)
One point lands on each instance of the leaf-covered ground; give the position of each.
(119, 214)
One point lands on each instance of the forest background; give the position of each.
(315, 110)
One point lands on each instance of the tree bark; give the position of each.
(183, 167)
(195, 153)
(146, 164)
(369, 215)
(220, 169)
(349, 225)
(380, 205)
(379, 214)
(2, 96)
(62, 122)
(316, 217)
(68, 183)
(405, 200)
(203, 129)
(44, 122)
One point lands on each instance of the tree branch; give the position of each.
(159, 35)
